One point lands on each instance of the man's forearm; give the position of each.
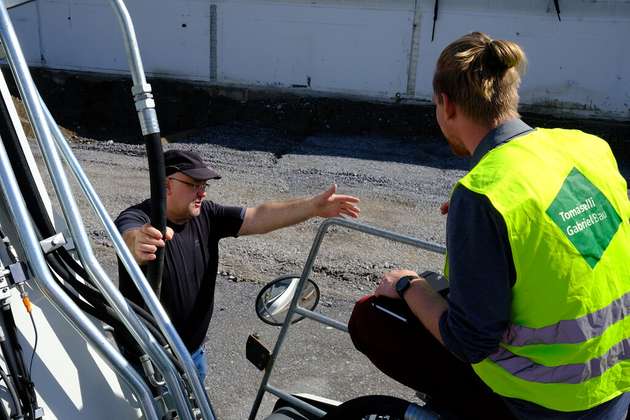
(427, 305)
(275, 215)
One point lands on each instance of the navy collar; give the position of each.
(497, 136)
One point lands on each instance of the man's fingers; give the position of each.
(144, 257)
(150, 235)
(351, 207)
(152, 232)
(350, 212)
(149, 240)
(346, 198)
(146, 249)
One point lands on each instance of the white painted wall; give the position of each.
(580, 65)
(341, 48)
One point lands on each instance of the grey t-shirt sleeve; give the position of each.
(131, 218)
(481, 276)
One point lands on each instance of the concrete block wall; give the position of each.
(378, 49)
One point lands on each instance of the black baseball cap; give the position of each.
(189, 163)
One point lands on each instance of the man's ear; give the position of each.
(450, 110)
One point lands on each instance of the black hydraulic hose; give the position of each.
(95, 305)
(99, 307)
(28, 383)
(158, 205)
(85, 289)
(73, 264)
(3, 413)
(92, 294)
(12, 352)
(109, 317)
(17, 410)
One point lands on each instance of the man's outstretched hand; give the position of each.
(330, 204)
(144, 241)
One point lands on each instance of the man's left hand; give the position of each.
(329, 204)
(387, 286)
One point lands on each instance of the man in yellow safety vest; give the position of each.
(536, 323)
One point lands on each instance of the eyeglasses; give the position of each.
(197, 188)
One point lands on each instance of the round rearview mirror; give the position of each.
(274, 300)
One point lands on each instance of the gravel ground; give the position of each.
(401, 183)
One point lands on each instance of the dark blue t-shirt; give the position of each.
(481, 276)
(191, 260)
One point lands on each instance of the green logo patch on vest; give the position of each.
(585, 216)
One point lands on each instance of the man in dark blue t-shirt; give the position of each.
(194, 228)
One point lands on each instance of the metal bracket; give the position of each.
(39, 413)
(151, 374)
(54, 242)
(18, 273)
(140, 89)
(145, 103)
(5, 290)
(13, 275)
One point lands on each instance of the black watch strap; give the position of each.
(403, 284)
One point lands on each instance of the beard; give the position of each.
(193, 210)
(457, 147)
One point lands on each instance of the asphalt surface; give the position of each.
(401, 183)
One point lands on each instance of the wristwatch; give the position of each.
(403, 284)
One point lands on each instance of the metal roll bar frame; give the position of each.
(20, 218)
(315, 316)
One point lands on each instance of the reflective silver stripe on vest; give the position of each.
(571, 331)
(523, 368)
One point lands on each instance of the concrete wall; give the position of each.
(370, 48)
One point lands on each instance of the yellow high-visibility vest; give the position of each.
(567, 212)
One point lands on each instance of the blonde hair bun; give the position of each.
(505, 55)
